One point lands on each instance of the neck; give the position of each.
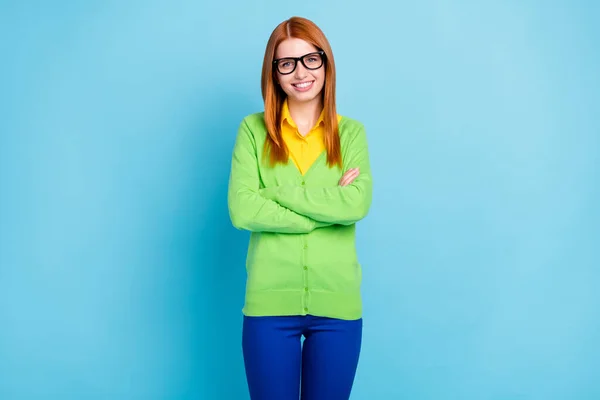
(305, 113)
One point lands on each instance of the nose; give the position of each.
(300, 72)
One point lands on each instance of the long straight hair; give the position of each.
(274, 96)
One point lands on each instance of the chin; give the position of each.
(303, 97)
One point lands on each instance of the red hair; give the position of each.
(274, 96)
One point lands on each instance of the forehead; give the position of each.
(294, 47)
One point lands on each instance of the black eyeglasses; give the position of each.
(310, 61)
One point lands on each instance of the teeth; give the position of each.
(303, 85)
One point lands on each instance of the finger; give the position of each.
(348, 178)
(344, 177)
(351, 172)
(349, 175)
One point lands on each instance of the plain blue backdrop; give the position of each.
(122, 278)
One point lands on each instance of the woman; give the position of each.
(300, 180)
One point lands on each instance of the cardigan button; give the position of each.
(303, 183)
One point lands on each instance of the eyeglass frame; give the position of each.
(301, 59)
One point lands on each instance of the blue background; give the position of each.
(121, 276)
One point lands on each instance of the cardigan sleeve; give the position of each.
(248, 209)
(344, 205)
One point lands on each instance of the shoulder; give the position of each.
(254, 119)
(349, 122)
(350, 129)
(254, 122)
(253, 125)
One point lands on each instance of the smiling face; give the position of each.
(303, 84)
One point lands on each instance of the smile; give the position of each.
(303, 86)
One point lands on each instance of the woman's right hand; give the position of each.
(349, 177)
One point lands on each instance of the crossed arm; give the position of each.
(248, 209)
(292, 209)
(344, 204)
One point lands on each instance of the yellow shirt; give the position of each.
(303, 150)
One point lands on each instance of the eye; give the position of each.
(313, 59)
(286, 63)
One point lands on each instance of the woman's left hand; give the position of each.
(349, 177)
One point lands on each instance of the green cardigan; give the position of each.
(301, 256)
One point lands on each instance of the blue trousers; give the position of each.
(280, 367)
